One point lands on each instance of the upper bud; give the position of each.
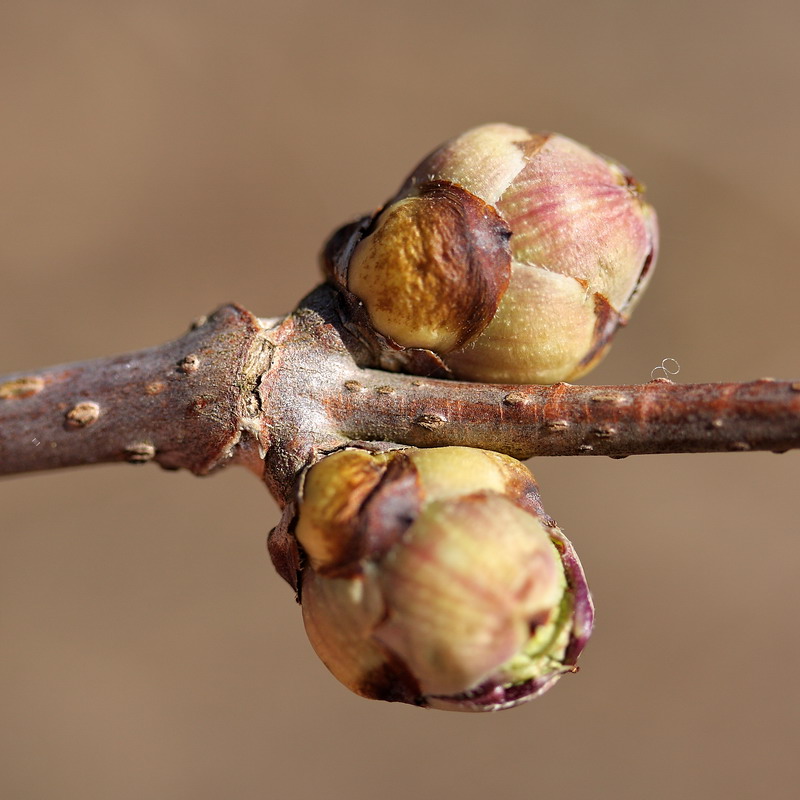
(433, 577)
(512, 257)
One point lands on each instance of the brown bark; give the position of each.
(316, 398)
(183, 404)
(276, 396)
(566, 420)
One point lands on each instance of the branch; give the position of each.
(566, 420)
(316, 398)
(183, 404)
(274, 396)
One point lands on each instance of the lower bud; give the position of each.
(442, 584)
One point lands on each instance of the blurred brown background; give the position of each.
(160, 158)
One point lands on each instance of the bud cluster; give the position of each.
(433, 577)
(507, 256)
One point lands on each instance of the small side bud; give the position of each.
(433, 577)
